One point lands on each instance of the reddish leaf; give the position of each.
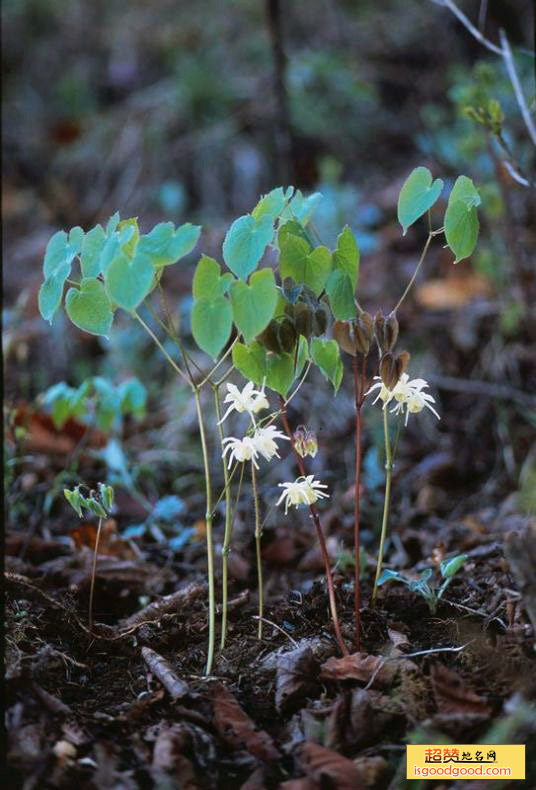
(328, 768)
(297, 672)
(238, 729)
(359, 666)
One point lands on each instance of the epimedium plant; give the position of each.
(271, 332)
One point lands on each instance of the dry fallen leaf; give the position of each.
(452, 292)
(453, 695)
(359, 666)
(328, 768)
(238, 729)
(297, 672)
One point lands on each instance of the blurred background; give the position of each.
(188, 112)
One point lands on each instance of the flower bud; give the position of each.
(388, 373)
(378, 324)
(363, 329)
(390, 331)
(401, 363)
(342, 332)
(305, 441)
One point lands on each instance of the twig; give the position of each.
(265, 620)
(176, 687)
(166, 605)
(506, 54)
(413, 655)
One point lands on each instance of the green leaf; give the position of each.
(132, 397)
(129, 280)
(300, 208)
(272, 204)
(119, 243)
(465, 190)
(292, 228)
(449, 567)
(113, 222)
(418, 194)
(212, 322)
(250, 361)
(73, 498)
(280, 372)
(59, 255)
(389, 576)
(245, 243)
(341, 295)
(164, 245)
(254, 304)
(92, 247)
(89, 308)
(346, 256)
(206, 284)
(95, 507)
(326, 356)
(461, 229)
(303, 266)
(106, 494)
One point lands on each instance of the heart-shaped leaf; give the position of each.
(340, 290)
(92, 247)
(254, 304)
(465, 190)
(164, 245)
(346, 256)
(212, 322)
(59, 255)
(250, 361)
(206, 284)
(89, 308)
(417, 195)
(461, 229)
(326, 356)
(129, 280)
(301, 208)
(273, 203)
(245, 243)
(297, 261)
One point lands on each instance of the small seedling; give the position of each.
(432, 595)
(99, 503)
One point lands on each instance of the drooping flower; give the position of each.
(408, 394)
(303, 491)
(264, 441)
(249, 399)
(305, 441)
(241, 450)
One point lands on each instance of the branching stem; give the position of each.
(258, 535)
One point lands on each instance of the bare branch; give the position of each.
(514, 79)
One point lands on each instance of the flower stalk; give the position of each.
(386, 502)
(228, 527)
(93, 574)
(258, 535)
(359, 392)
(321, 540)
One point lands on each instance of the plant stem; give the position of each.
(321, 540)
(258, 535)
(228, 524)
(421, 259)
(386, 501)
(152, 335)
(93, 574)
(359, 389)
(210, 548)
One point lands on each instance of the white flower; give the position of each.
(303, 491)
(250, 399)
(263, 440)
(407, 393)
(241, 450)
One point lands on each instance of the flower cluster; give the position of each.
(408, 393)
(262, 442)
(304, 490)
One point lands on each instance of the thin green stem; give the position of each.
(386, 501)
(210, 547)
(421, 259)
(227, 533)
(258, 535)
(93, 574)
(171, 361)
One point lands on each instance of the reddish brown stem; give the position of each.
(321, 540)
(359, 390)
